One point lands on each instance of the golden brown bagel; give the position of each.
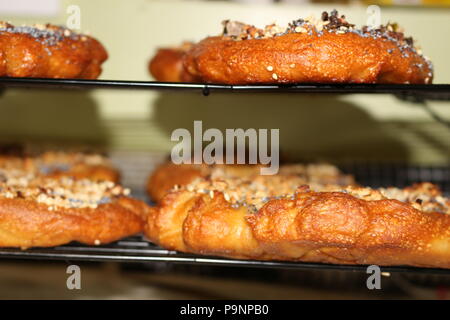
(329, 50)
(268, 220)
(43, 212)
(167, 64)
(46, 51)
(57, 164)
(168, 175)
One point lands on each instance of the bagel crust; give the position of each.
(326, 51)
(169, 175)
(167, 64)
(244, 220)
(47, 51)
(43, 212)
(58, 164)
(28, 224)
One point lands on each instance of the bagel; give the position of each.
(47, 51)
(45, 212)
(167, 64)
(169, 175)
(270, 218)
(327, 50)
(57, 164)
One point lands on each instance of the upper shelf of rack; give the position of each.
(414, 91)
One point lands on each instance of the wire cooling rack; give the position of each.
(138, 250)
(411, 91)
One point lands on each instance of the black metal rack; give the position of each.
(411, 91)
(138, 250)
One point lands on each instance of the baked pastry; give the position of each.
(327, 50)
(268, 220)
(167, 64)
(47, 51)
(168, 175)
(56, 164)
(43, 212)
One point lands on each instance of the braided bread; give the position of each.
(268, 219)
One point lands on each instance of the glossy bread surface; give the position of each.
(46, 51)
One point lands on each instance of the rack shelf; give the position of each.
(138, 250)
(418, 91)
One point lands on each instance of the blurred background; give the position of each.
(340, 128)
(135, 126)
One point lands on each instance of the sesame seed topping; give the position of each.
(275, 76)
(59, 193)
(40, 26)
(253, 190)
(328, 22)
(45, 34)
(300, 30)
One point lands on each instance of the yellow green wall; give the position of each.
(337, 127)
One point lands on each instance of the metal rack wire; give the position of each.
(138, 250)
(416, 92)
